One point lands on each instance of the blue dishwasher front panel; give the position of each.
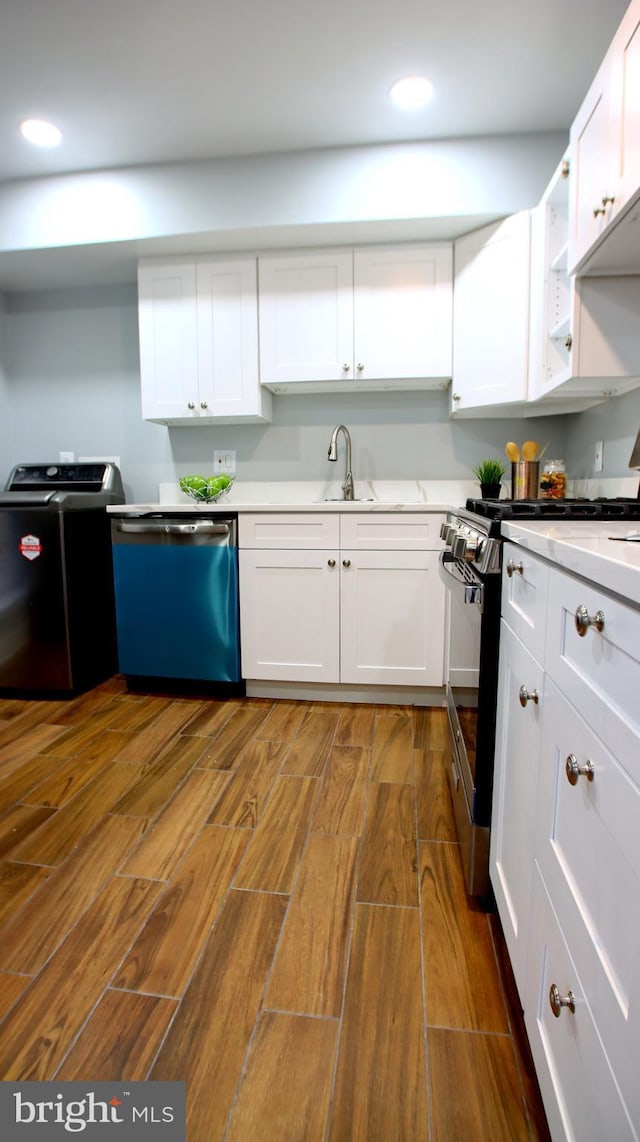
(177, 611)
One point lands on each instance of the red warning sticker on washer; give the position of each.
(30, 546)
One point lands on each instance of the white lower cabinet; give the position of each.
(290, 611)
(580, 1094)
(565, 858)
(314, 610)
(520, 704)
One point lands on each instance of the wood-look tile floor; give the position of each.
(263, 899)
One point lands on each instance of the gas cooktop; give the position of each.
(619, 508)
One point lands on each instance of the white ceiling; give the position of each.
(148, 81)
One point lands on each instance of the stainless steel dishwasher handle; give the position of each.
(160, 528)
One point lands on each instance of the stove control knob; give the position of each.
(444, 528)
(451, 534)
(459, 545)
(472, 548)
(52, 471)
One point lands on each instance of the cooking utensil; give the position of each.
(530, 449)
(543, 450)
(512, 451)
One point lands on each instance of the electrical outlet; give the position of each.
(224, 460)
(598, 458)
(66, 457)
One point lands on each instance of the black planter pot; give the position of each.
(490, 491)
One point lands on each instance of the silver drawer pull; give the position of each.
(528, 696)
(574, 770)
(331, 562)
(584, 620)
(557, 1001)
(346, 562)
(511, 567)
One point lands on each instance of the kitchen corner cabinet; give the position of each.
(583, 343)
(491, 315)
(198, 327)
(605, 145)
(565, 860)
(341, 598)
(353, 320)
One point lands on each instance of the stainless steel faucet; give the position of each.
(347, 486)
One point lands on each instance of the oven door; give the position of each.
(471, 682)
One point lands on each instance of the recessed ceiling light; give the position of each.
(412, 93)
(41, 133)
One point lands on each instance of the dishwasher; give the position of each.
(176, 599)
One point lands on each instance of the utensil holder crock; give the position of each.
(525, 476)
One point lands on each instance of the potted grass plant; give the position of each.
(489, 473)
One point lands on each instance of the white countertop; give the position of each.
(584, 548)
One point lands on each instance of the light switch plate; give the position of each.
(224, 460)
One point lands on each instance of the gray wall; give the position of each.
(617, 422)
(73, 385)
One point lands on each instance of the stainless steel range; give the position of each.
(471, 567)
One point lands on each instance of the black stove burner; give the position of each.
(620, 508)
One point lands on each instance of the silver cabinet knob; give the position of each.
(608, 199)
(203, 404)
(511, 567)
(528, 696)
(191, 404)
(557, 1001)
(345, 368)
(584, 620)
(457, 397)
(331, 562)
(346, 562)
(359, 367)
(568, 343)
(598, 210)
(574, 770)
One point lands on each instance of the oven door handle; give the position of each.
(458, 576)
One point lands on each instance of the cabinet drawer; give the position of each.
(399, 531)
(524, 596)
(587, 849)
(289, 530)
(580, 1095)
(600, 671)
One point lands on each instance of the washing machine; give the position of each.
(57, 624)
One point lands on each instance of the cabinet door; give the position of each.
(403, 312)
(392, 618)
(514, 794)
(289, 615)
(306, 317)
(593, 167)
(228, 341)
(627, 62)
(580, 1094)
(491, 315)
(168, 340)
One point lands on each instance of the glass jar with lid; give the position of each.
(553, 480)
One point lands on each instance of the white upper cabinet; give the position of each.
(403, 312)
(198, 322)
(306, 317)
(583, 343)
(371, 318)
(605, 159)
(491, 315)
